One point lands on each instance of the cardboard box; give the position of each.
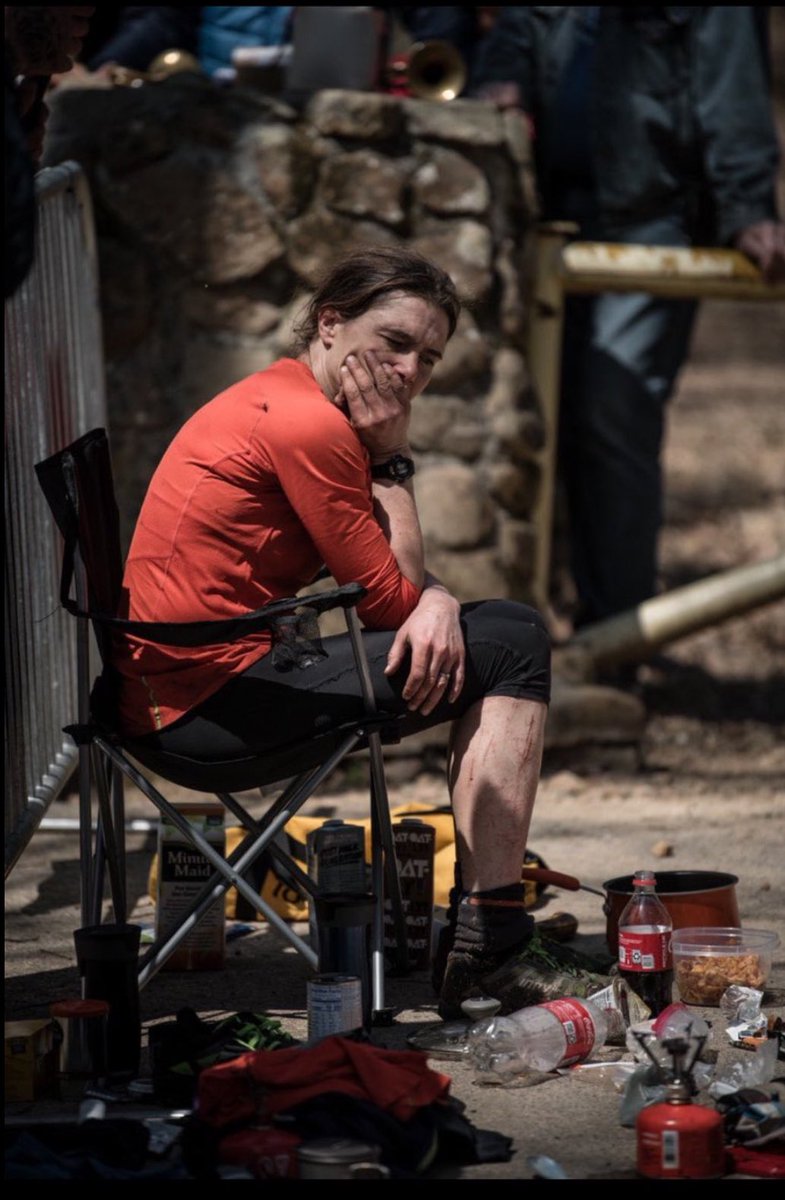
(182, 873)
(32, 1060)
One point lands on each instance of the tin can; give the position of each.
(415, 843)
(345, 921)
(335, 1005)
(335, 857)
(337, 1158)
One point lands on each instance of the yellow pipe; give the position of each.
(632, 635)
(544, 363)
(664, 271)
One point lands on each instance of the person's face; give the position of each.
(407, 333)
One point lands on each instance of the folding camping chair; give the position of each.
(78, 484)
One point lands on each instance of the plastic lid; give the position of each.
(645, 877)
(79, 1008)
(477, 1008)
(337, 1150)
(261, 56)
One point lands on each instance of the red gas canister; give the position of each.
(680, 1140)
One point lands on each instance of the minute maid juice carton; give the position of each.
(182, 873)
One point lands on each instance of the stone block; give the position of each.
(454, 508)
(342, 113)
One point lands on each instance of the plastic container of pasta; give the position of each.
(707, 961)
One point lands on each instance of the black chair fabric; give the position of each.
(79, 487)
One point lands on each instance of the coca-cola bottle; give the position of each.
(645, 929)
(540, 1038)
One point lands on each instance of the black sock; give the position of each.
(491, 921)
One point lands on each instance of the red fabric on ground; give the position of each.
(766, 1162)
(264, 1082)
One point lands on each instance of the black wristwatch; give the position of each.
(398, 469)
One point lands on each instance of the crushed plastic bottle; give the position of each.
(622, 1007)
(539, 1038)
(756, 1071)
(677, 1021)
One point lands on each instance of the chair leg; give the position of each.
(386, 881)
(88, 861)
(241, 859)
(289, 870)
(109, 842)
(231, 873)
(118, 824)
(384, 860)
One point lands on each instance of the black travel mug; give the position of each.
(107, 956)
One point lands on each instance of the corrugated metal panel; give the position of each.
(54, 392)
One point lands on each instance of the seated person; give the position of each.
(308, 463)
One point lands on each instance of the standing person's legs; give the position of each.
(630, 358)
(621, 356)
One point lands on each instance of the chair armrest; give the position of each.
(348, 596)
(230, 629)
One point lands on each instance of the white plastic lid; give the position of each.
(261, 56)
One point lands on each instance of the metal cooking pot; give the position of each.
(691, 897)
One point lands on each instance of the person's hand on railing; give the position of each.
(764, 243)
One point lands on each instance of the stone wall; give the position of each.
(216, 210)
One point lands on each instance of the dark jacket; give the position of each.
(141, 33)
(676, 115)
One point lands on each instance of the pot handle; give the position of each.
(543, 875)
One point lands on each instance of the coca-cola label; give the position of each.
(579, 1031)
(642, 949)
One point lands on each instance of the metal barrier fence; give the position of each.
(54, 392)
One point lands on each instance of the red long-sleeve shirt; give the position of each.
(260, 487)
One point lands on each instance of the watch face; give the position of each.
(401, 468)
(398, 468)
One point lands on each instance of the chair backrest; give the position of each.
(79, 487)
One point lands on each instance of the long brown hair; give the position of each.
(361, 279)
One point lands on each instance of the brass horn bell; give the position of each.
(436, 71)
(168, 62)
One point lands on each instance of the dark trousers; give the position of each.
(621, 356)
(274, 704)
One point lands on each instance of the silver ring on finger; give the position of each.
(442, 680)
